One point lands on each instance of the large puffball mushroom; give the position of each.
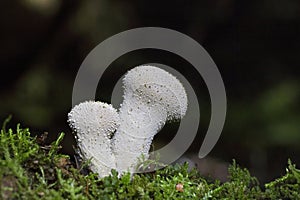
(94, 123)
(151, 97)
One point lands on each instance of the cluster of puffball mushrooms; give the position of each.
(117, 139)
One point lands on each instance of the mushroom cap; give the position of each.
(153, 85)
(93, 118)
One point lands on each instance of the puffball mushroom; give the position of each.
(94, 123)
(151, 97)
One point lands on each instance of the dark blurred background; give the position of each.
(255, 44)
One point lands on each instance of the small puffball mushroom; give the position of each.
(151, 97)
(94, 123)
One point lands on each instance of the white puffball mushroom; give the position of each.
(94, 123)
(152, 96)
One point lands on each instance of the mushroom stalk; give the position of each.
(139, 122)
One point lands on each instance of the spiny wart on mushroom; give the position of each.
(116, 140)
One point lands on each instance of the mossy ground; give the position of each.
(32, 170)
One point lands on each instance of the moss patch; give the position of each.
(30, 169)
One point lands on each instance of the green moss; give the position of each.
(30, 170)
